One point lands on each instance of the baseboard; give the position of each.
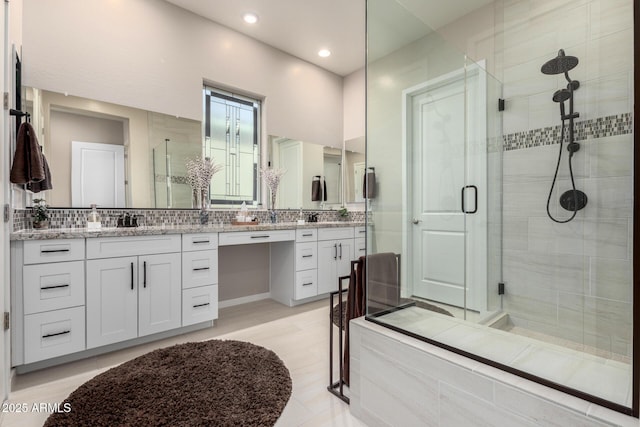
(243, 300)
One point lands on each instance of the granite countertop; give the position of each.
(76, 233)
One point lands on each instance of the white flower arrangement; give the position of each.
(199, 173)
(272, 179)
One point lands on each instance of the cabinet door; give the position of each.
(345, 256)
(327, 266)
(112, 300)
(159, 289)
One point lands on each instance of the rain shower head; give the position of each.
(560, 64)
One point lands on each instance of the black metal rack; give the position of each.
(337, 387)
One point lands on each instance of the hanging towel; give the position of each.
(316, 189)
(383, 287)
(324, 186)
(369, 185)
(45, 184)
(28, 166)
(355, 308)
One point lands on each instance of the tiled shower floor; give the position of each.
(592, 374)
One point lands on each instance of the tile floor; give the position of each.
(299, 335)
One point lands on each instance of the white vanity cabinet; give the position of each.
(199, 278)
(306, 264)
(360, 242)
(335, 253)
(132, 296)
(53, 306)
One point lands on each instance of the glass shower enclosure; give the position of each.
(514, 245)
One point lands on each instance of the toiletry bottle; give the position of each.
(93, 222)
(300, 218)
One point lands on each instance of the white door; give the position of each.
(160, 291)
(346, 252)
(327, 266)
(448, 190)
(112, 300)
(97, 175)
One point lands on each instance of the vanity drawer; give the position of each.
(306, 256)
(54, 333)
(306, 284)
(360, 248)
(307, 235)
(199, 305)
(250, 237)
(53, 286)
(335, 233)
(199, 268)
(360, 231)
(41, 251)
(109, 247)
(199, 241)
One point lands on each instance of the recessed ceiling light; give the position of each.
(324, 53)
(250, 18)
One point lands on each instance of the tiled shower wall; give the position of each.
(569, 280)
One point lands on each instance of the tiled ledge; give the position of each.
(490, 396)
(75, 233)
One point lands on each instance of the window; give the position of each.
(232, 138)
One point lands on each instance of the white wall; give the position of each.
(354, 104)
(152, 55)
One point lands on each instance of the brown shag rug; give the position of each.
(211, 383)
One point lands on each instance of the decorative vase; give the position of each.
(41, 224)
(204, 199)
(273, 215)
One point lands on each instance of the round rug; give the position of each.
(211, 383)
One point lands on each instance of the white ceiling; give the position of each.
(303, 27)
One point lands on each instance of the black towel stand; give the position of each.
(337, 387)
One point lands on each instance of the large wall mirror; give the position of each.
(117, 156)
(318, 176)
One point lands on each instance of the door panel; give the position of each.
(160, 293)
(447, 145)
(439, 173)
(97, 174)
(112, 304)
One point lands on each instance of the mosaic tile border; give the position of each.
(77, 218)
(175, 179)
(619, 124)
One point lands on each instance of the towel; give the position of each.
(28, 165)
(383, 287)
(356, 305)
(369, 185)
(45, 184)
(324, 186)
(316, 189)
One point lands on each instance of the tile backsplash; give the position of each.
(77, 218)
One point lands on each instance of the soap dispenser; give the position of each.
(300, 218)
(93, 222)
